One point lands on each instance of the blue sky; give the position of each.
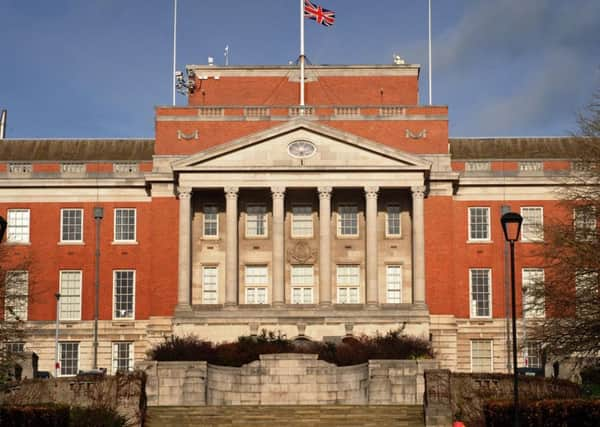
(97, 68)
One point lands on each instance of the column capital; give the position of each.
(371, 192)
(324, 192)
(231, 192)
(278, 192)
(184, 192)
(418, 191)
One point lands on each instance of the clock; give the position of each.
(301, 149)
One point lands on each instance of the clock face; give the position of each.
(301, 149)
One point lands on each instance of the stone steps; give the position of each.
(287, 416)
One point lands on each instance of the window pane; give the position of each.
(256, 221)
(533, 355)
(348, 220)
(122, 356)
(394, 284)
(302, 295)
(70, 295)
(480, 292)
(585, 223)
(393, 220)
(348, 275)
(479, 223)
(532, 228)
(16, 295)
(209, 285)
(302, 275)
(125, 224)
(256, 275)
(302, 221)
(72, 225)
(18, 225)
(69, 358)
(533, 302)
(211, 220)
(481, 356)
(124, 294)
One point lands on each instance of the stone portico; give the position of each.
(343, 170)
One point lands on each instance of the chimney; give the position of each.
(2, 124)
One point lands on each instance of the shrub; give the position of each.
(96, 417)
(34, 416)
(544, 413)
(350, 351)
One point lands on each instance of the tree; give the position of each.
(569, 294)
(14, 296)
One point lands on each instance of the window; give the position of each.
(211, 221)
(533, 300)
(302, 221)
(393, 274)
(481, 356)
(71, 225)
(302, 278)
(209, 285)
(256, 221)
(256, 280)
(17, 293)
(584, 220)
(125, 225)
(480, 280)
(15, 347)
(122, 358)
(69, 358)
(347, 220)
(70, 295)
(392, 225)
(479, 223)
(347, 281)
(533, 355)
(124, 294)
(532, 229)
(587, 289)
(256, 295)
(18, 226)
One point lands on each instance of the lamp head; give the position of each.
(511, 225)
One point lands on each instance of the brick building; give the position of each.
(354, 214)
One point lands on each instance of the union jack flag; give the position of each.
(317, 13)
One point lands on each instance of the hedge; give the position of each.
(350, 351)
(544, 413)
(51, 415)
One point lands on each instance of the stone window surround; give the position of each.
(278, 262)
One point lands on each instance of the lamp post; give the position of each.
(511, 224)
(56, 355)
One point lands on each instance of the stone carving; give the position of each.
(324, 192)
(187, 136)
(371, 192)
(418, 192)
(301, 253)
(416, 135)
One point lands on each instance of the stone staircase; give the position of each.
(287, 416)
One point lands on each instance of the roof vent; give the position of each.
(398, 60)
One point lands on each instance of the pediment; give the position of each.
(330, 149)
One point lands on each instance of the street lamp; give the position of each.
(511, 224)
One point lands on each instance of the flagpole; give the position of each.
(174, 46)
(429, 13)
(301, 53)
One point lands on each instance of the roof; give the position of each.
(76, 149)
(521, 148)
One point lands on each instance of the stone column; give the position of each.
(418, 245)
(278, 245)
(185, 248)
(325, 245)
(371, 237)
(231, 257)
